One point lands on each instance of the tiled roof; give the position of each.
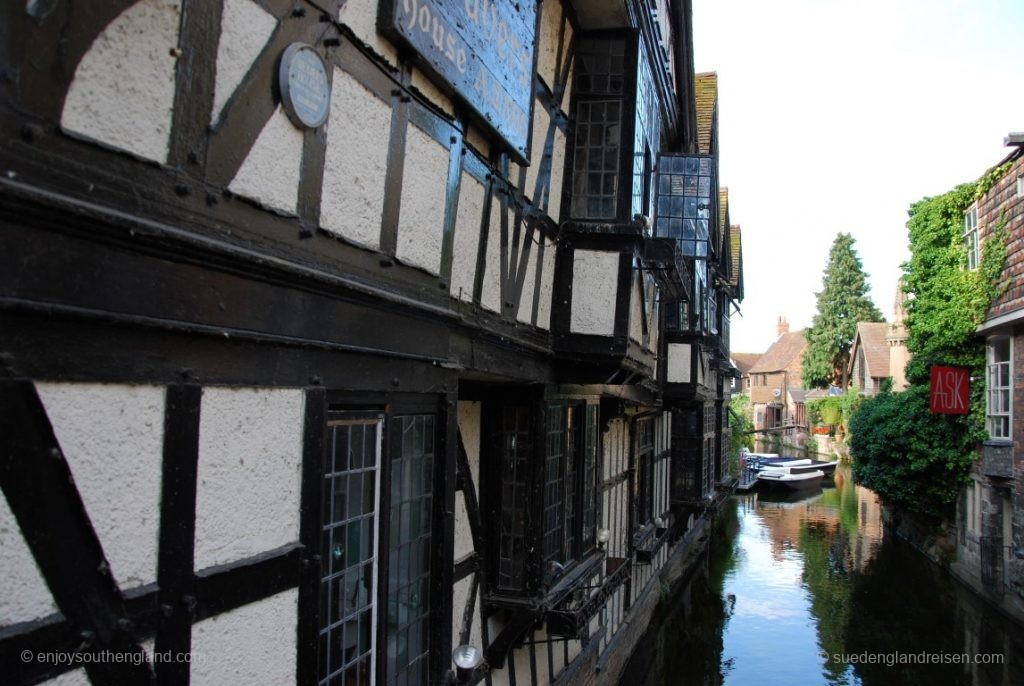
(736, 248)
(871, 337)
(723, 216)
(744, 361)
(798, 395)
(705, 89)
(783, 355)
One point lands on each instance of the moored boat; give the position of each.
(805, 464)
(790, 477)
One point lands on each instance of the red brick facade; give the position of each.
(991, 551)
(1003, 202)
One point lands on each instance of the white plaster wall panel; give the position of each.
(557, 172)
(469, 427)
(421, 226)
(270, 173)
(122, 94)
(594, 281)
(361, 17)
(245, 28)
(567, 40)
(463, 532)
(460, 594)
(253, 645)
(422, 83)
(525, 314)
(653, 319)
(490, 297)
(636, 311)
(467, 236)
(26, 596)
(547, 285)
(75, 678)
(250, 457)
(547, 49)
(678, 363)
(521, 656)
(541, 119)
(356, 162)
(499, 677)
(476, 138)
(112, 438)
(575, 647)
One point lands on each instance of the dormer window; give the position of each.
(971, 236)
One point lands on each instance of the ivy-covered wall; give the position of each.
(911, 457)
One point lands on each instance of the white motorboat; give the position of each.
(790, 477)
(800, 464)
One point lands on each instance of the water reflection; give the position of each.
(793, 576)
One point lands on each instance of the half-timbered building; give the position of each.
(335, 335)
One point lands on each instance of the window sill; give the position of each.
(999, 442)
(571, 618)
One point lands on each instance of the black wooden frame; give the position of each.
(322, 404)
(95, 615)
(627, 110)
(538, 399)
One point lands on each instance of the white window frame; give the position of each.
(971, 238)
(999, 390)
(1020, 185)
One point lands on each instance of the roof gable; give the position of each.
(744, 361)
(784, 355)
(736, 252)
(706, 96)
(870, 338)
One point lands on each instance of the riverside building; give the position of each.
(335, 336)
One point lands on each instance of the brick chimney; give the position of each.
(781, 327)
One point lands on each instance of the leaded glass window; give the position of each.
(645, 469)
(686, 187)
(516, 448)
(590, 472)
(411, 439)
(348, 613)
(554, 483)
(598, 88)
(596, 161)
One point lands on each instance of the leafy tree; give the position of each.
(741, 425)
(842, 302)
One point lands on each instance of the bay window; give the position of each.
(541, 490)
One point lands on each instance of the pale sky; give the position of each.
(836, 115)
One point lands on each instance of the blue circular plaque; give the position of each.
(305, 88)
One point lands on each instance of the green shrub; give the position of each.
(909, 456)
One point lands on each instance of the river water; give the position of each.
(810, 589)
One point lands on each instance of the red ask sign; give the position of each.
(949, 390)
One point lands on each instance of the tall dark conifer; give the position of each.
(842, 302)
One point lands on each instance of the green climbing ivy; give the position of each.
(900, 450)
